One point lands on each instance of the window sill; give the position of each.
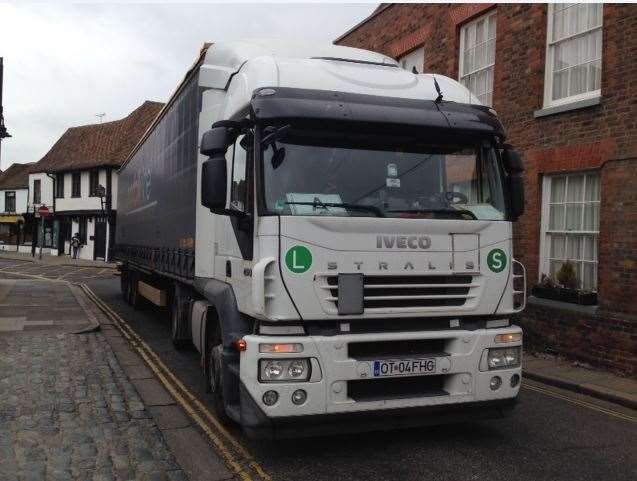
(576, 105)
(562, 306)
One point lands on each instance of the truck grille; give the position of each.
(396, 388)
(408, 292)
(399, 349)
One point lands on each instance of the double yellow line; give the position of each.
(578, 402)
(231, 450)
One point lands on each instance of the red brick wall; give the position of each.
(599, 137)
(583, 337)
(404, 27)
(618, 231)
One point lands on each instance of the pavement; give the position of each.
(575, 377)
(69, 409)
(554, 433)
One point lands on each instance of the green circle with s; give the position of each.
(298, 259)
(497, 260)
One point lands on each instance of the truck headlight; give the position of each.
(503, 357)
(297, 369)
(272, 370)
(284, 370)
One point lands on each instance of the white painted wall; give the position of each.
(46, 190)
(114, 190)
(84, 202)
(21, 200)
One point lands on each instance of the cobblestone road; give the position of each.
(67, 409)
(21, 269)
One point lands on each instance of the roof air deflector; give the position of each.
(365, 62)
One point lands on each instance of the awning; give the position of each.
(11, 219)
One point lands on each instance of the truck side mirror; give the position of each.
(214, 181)
(214, 184)
(514, 167)
(215, 141)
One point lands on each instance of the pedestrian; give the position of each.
(75, 244)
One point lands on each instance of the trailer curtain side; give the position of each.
(157, 190)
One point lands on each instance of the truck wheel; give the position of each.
(123, 284)
(178, 317)
(134, 298)
(215, 376)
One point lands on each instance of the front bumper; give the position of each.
(256, 424)
(462, 379)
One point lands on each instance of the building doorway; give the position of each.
(64, 237)
(99, 251)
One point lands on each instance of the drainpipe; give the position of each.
(109, 190)
(52, 177)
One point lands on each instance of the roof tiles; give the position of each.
(16, 176)
(99, 145)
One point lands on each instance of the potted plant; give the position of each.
(564, 287)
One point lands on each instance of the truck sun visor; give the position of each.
(323, 105)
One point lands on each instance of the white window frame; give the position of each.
(544, 267)
(6, 197)
(491, 13)
(417, 52)
(548, 67)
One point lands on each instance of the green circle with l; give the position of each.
(298, 259)
(497, 260)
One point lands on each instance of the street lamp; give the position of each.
(3, 130)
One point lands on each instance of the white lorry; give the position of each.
(334, 235)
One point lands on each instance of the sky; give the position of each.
(64, 63)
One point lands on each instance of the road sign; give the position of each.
(44, 211)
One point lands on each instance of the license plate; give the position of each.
(404, 367)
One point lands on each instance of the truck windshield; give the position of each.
(307, 177)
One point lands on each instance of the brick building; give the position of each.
(563, 80)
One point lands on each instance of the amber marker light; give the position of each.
(242, 345)
(281, 348)
(505, 338)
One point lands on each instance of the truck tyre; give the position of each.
(123, 284)
(179, 318)
(134, 298)
(215, 374)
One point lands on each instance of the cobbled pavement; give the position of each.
(68, 412)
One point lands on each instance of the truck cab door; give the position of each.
(237, 252)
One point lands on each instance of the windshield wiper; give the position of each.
(459, 212)
(324, 205)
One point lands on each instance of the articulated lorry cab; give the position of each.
(334, 235)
